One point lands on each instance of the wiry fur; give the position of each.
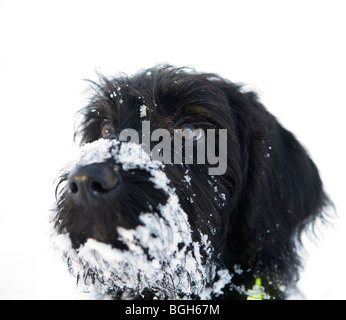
(252, 215)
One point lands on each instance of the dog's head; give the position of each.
(184, 186)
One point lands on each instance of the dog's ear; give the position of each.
(281, 194)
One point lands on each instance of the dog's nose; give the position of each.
(96, 180)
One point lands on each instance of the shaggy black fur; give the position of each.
(272, 187)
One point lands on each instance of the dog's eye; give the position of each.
(190, 132)
(107, 129)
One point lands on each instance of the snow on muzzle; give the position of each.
(161, 254)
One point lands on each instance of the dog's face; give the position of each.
(136, 220)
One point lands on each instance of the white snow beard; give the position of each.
(162, 256)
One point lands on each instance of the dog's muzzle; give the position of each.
(121, 228)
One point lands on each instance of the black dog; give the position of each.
(134, 227)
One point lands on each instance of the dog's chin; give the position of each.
(168, 267)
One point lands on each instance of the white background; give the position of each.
(292, 52)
